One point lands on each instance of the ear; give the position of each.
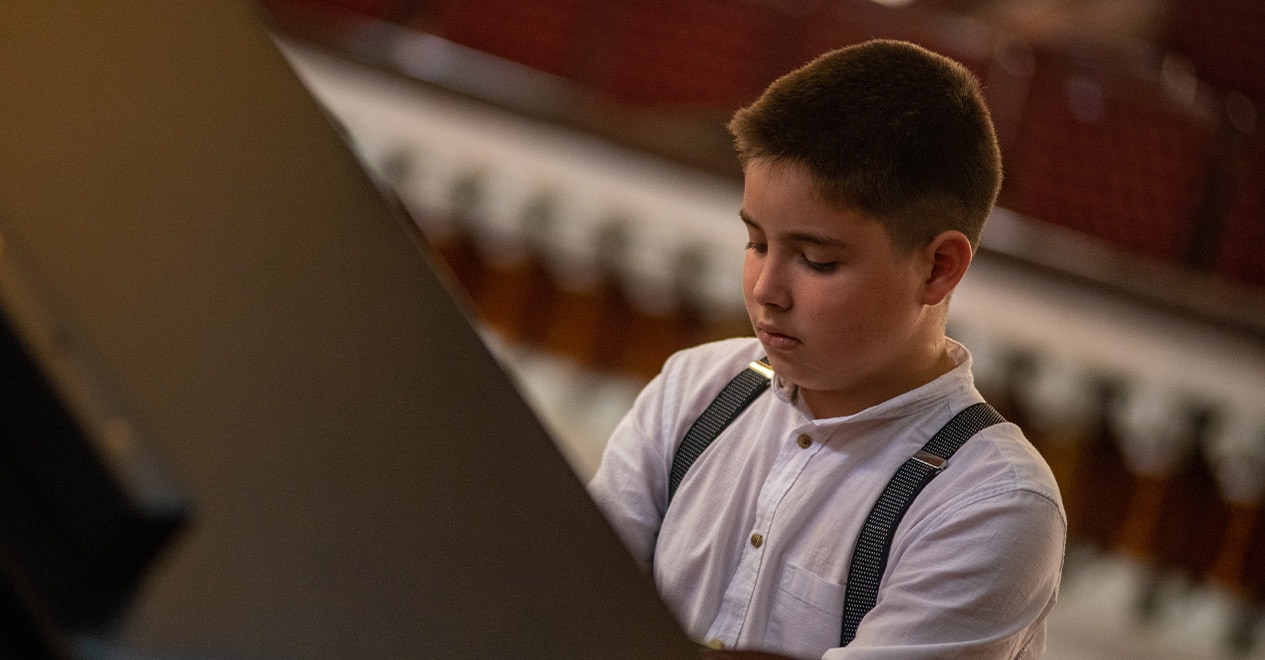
(947, 256)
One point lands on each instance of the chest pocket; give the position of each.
(805, 615)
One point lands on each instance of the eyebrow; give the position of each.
(797, 236)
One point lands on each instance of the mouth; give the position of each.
(774, 340)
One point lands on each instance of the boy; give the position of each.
(868, 175)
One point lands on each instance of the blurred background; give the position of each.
(568, 163)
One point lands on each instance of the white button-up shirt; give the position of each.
(754, 551)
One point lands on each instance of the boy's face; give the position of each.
(840, 312)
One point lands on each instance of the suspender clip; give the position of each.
(761, 367)
(930, 460)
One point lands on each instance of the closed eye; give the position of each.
(820, 266)
(758, 248)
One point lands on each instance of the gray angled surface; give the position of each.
(365, 480)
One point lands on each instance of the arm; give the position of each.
(631, 483)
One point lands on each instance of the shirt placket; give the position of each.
(798, 448)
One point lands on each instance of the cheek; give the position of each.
(858, 312)
(750, 272)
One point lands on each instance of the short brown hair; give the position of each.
(887, 128)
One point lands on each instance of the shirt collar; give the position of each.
(956, 380)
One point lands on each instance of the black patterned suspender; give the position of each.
(737, 395)
(869, 557)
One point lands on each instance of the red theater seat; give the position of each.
(1240, 256)
(547, 35)
(1111, 154)
(1225, 40)
(688, 54)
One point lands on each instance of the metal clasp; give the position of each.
(762, 369)
(930, 460)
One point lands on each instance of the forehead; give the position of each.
(783, 196)
(792, 176)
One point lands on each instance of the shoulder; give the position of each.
(691, 379)
(995, 504)
(1000, 463)
(706, 365)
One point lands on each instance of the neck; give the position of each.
(929, 365)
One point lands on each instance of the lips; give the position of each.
(773, 339)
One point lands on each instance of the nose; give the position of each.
(766, 282)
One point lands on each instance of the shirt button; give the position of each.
(716, 644)
(804, 441)
(757, 540)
